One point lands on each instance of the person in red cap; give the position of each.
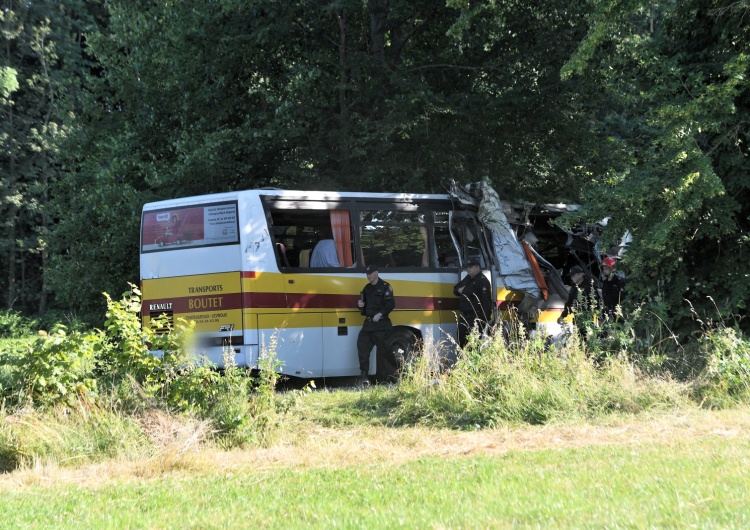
(612, 286)
(375, 303)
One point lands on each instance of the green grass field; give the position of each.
(689, 483)
(671, 470)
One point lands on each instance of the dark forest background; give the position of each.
(637, 109)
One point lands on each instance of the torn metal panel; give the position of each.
(510, 261)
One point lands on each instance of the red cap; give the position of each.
(609, 262)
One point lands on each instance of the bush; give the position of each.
(725, 380)
(80, 395)
(55, 368)
(527, 382)
(13, 324)
(128, 350)
(242, 407)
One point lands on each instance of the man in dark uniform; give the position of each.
(579, 299)
(475, 303)
(376, 302)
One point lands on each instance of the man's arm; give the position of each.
(572, 298)
(389, 302)
(458, 288)
(486, 299)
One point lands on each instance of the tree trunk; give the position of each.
(378, 24)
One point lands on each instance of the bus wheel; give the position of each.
(403, 343)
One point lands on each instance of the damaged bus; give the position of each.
(243, 266)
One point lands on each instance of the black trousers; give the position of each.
(466, 323)
(387, 366)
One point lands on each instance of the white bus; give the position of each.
(244, 267)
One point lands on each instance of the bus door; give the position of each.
(316, 334)
(291, 336)
(470, 240)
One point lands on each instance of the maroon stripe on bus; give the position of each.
(316, 300)
(194, 304)
(262, 300)
(429, 303)
(227, 301)
(248, 274)
(340, 301)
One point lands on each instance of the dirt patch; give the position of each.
(324, 447)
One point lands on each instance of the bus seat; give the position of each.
(304, 257)
(282, 254)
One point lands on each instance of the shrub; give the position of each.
(13, 324)
(128, 352)
(725, 380)
(242, 407)
(55, 368)
(495, 383)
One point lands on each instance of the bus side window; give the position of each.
(447, 255)
(393, 238)
(297, 232)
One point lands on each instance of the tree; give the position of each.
(675, 112)
(42, 56)
(194, 97)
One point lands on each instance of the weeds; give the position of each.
(83, 432)
(77, 396)
(74, 396)
(725, 380)
(497, 382)
(14, 324)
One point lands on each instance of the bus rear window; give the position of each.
(190, 226)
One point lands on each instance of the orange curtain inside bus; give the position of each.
(342, 235)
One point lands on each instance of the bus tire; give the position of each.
(403, 344)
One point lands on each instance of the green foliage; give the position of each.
(129, 353)
(242, 407)
(397, 103)
(671, 110)
(113, 370)
(61, 366)
(725, 380)
(8, 81)
(42, 60)
(639, 332)
(13, 324)
(526, 382)
(56, 368)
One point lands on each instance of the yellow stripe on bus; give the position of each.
(197, 285)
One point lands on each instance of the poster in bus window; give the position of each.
(194, 226)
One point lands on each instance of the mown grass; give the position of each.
(690, 483)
